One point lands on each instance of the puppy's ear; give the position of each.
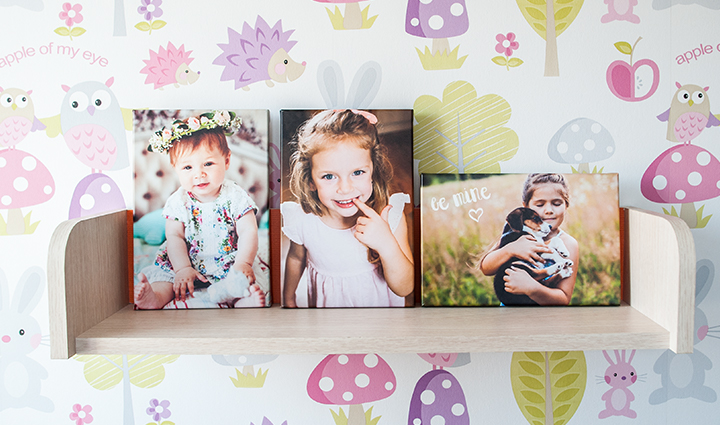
(515, 219)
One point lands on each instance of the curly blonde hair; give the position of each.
(325, 130)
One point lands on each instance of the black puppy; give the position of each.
(521, 221)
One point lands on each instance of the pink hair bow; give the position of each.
(368, 116)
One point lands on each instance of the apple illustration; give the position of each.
(627, 81)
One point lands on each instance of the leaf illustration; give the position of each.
(624, 47)
(77, 31)
(515, 62)
(534, 12)
(157, 24)
(462, 132)
(64, 31)
(564, 372)
(143, 26)
(500, 60)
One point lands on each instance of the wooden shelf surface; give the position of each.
(401, 330)
(90, 314)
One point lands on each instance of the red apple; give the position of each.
(625, 80)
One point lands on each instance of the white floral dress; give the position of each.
(210, 233)
(338, 271)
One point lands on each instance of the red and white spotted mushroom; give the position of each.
(438, 399)
(683, 174)
(438, 20)
(351, 379)
(24, 181)
(352, 20)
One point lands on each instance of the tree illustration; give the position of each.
(549, 19)
(144, 371)
(462, 133)
(548, 387)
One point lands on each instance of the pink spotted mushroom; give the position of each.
(581, 141)
(24, 181)
(351, 379)
(683, 174)
(438, 20)
(352, 20)
(438, 398)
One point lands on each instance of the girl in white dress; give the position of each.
(347, 234)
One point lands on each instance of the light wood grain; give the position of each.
(87, 277)
(662, 274)
(661, 292)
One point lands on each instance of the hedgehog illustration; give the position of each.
(169, 66)
(258, 54)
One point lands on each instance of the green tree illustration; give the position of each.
(548, 387)
(462, 133)
(144, 371)
(549, 19)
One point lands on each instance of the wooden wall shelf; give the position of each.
(90, 314)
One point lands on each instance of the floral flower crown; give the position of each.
(163, 139)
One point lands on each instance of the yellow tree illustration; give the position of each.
(548, 386)
(549, 18)
(144, 371)
(462, 133)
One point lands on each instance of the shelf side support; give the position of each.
(87, 276)
(662, 273)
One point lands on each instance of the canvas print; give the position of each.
(200, 233)
(520, 239)
(347, 208)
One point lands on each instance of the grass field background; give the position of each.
(452, 242)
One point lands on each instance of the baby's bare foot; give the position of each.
(255, 299)
(145, 297)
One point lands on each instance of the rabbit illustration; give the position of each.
(683, 375)
(19, 336)
(619, 375)
(364, 87)
(620, 10)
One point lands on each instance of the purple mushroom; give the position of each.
(581, 141)
(683, 174)
(24, 181)
(351, 379)
(95, 194)
(437, 19)
(438, 398)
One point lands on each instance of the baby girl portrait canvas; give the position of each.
(200, 222)
(347, 208)
(520, 239)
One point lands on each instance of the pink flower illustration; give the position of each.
(506, 44)
(71, 14)
(81, 414)
(150, 9)
(158, 409)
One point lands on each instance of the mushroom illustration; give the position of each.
(581, 141)
(351, 379)
(438, 398)
(438, 20)
(247, 378)
(683, 174)
(353, 19)
(95, 194)
(24, 181)
(442, 360)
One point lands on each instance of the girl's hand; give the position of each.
(245, 269)
(185, 282)
(372, 229)
(518, 281)
(528, 249)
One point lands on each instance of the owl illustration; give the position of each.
(17, 117)
(689, 113)
(93, 125)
